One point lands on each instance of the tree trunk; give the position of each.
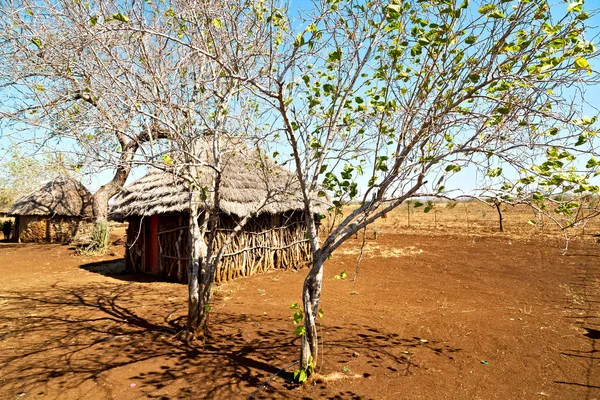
(311, 297)
(205, 291)
(101, 197)
(199, 278)
(500, 218)
(193, 320)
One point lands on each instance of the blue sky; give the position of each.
(464, 180)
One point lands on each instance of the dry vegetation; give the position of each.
(474, 218)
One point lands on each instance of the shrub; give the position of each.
(99, 240)
(6, 228)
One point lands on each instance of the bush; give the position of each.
(451, 204)
(99, 240)
(6, 228)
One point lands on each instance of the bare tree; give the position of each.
(141, 83)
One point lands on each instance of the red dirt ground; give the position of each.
(466, 318)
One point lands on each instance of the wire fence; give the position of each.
(478, 218)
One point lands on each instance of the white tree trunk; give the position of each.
(311, 298)
(193, 320)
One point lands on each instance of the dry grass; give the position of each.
(472, 218)
(372, 249)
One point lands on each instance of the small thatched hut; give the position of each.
(157, 209)
(54, 213)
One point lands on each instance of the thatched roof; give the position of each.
(246, 182)
(62, 196)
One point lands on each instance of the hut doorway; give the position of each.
(17, 229)
(151, 234)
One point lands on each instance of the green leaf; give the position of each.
(418, 204)
(582, 63)
(381, 164)
(294, 306)
(474, 78)
(302, 377)
(453, 168)
(531, 222)
(553, 132)
(320, 314)
(120, 17)
(527, 180)
(582, 139)
(591, 163)
(93, 20)
(335, 55)
(167, 159)
(496, 14)
(299, 40)
(217, 23)
(37, 42)
(575, 6)
(583, 16)
(491, 11)
(298, 317)
(300, 330)
(341, 275)
(494, 172)
(394, 7)
(502, 110)
(471, 39)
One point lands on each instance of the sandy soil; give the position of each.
(429, 317)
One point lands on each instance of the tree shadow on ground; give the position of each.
(585, 310)
(118, 270)
(64, 337)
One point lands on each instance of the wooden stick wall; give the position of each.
(269, 242)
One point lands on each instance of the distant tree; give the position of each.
(21, 174)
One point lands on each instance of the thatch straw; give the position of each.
(60, 197)
(246, 182)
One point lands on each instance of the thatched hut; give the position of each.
(157, 210)
(56, 212)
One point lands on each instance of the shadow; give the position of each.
(117, 269)
(584, 309)
(578, 384)
(592, 333)
(72, 338)
(581, 255)
(10, 244)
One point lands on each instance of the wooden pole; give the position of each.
(467, 216)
